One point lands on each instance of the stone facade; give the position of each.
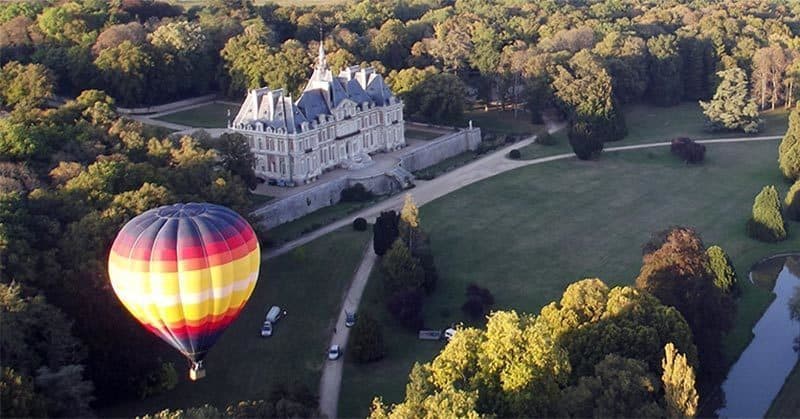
(336, 122)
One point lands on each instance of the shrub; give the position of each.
(479, 300)
(585, 143)
(385, 231)
(722, 268)
(688, 150)
(406, 308)
(766, 224)
(356, 193)
(366, 344)
(544, 138)
(514, 154)
(360, 224)
(792, 202)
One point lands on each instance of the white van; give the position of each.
(274, 314)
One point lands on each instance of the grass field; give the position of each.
(213, 115)
(418, 134)
(294, 229)
(501, 122)
(310, 283)
(528, 233)
(786, 403)
(257, 200)
(648, 124)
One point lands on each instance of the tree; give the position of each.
(678, 274)
(385, 231)
(25, 86)
(679, 386)
(792, 202)
(401, 270)
(366, 344)
(722, 268)
(406, 308)
(124, 69)
(18, 397)
(766, 223)
(731, 108)
(236, 157)
(666, 84)
(789, 149)
(409, 222)
(769, 65)
(586, 92)
(620, 387)
(439, 98)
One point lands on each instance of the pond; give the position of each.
(758, 375)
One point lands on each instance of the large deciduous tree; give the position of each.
(666, 84)
(25, 86)
(439, 98)
(732, 108)
(769, 65)
(586, 92)
(677, 272)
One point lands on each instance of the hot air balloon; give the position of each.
(185, 271)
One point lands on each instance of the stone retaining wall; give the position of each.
(328, 193)
(442, 148)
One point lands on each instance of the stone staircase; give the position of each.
(402, 176)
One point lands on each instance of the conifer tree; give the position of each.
(679, 384)
(732, 108)
(792, 202)
(789, 150)
(767, 224)
(721, 267)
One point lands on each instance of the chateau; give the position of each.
(336, 122)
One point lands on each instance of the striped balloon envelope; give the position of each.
(185, 271)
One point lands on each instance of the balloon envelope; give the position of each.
(185, 271)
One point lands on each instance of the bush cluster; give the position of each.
(766, 223)
(356, 193)
(688, 150)
(360, 224)
(514, 154)
(479, 300)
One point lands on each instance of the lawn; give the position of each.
(309, 283)
(528, 233)
(649, 124)
(786, 403)
(213, 115)
(501, 122)
(307, 223)
(418, 134)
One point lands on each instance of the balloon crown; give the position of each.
(191, 209)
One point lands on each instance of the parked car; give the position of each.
(274, 314)
(449, 333)
(350, 319)
(334, 352)
(266, 329)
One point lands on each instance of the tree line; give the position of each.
(503, 51)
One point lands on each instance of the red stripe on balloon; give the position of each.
(233, 248)
(193, 330)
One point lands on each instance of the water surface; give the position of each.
(758, 375)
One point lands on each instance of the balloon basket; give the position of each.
(197, 372)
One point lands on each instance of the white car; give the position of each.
(266, 329)
(334, 352)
